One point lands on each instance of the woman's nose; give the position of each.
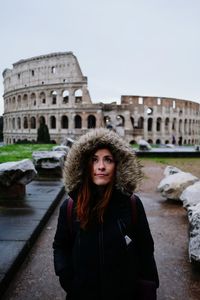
(101, 165)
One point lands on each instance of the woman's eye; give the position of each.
(94, 159)
(109, 160)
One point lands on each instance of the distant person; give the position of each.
(180, 141)
(104, 245)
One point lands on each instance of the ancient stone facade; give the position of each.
(51, 88)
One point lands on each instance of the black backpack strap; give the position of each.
(134, 209)
(69, 214)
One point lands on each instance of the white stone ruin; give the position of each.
(185, 187)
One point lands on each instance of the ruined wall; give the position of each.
(52, 88)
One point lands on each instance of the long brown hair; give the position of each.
(92, 205)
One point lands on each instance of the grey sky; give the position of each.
(135, 47)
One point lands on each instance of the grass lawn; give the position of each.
(21, 151)
(191, 165)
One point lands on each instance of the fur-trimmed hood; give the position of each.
(128, 171)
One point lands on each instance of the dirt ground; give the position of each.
(179, 279)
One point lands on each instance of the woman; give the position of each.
(103, 253)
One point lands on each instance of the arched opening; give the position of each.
(149, 124)
(158, 142)
(25, 100)
(132, 121)
(42, 120)
(174, 124)
(33, 99)
(53, 122)
(120, 120)
(25, 123)
(91, 121)
(19, 101)
(167, 124)
(65, 96)
(132, 142)
(78, 96)
(149, 111)
(18, 123)
(141, 123)
(33, 123)
(150, 141)
(158, 124)
(54, 97)
(64, 122)
(13, 123)
(77, 121)
(42, 98)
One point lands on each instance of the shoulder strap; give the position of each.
(69, 213)
(134, 209)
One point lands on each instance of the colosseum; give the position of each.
(52, 89)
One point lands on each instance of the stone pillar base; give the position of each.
(14, 191)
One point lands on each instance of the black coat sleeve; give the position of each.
(62, 253)
(147, 265)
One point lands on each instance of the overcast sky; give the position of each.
(124, 47)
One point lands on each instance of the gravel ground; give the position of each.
(168, 222)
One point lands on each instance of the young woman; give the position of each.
(100, 251)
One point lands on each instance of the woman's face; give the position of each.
(103, 167)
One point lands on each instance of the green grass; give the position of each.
(21, 151)
(191, 165)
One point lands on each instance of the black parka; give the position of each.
(104, 261)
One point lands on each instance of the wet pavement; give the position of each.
(179, 280)
(21, 221)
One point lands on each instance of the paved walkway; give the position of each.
(22, 221)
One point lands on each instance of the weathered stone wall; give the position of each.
(52, 87)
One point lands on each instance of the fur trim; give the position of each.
(128, 171)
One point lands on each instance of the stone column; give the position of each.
(84, 120)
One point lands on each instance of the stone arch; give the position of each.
(64, 122)
(13, 123)
(150, 124)
(33, 122)
(18, 123)
(78, 96)
(150, 141)
(180, 125)
(132, 142)
(149, 111)
(25, 123)
(120, 120)
(174, 124)
(158, 124)
(65, 96)
(13, 102)
(167, 125)
(185, 126)
(54, 97)
(33, 99)
(77, 122)
(91, 120)
(190, 127)
(158, 142)
(53, 122)
(19, 101)
(42, 120)
(140, 123)
(132, 121)
(25, 100)
(42, 98)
